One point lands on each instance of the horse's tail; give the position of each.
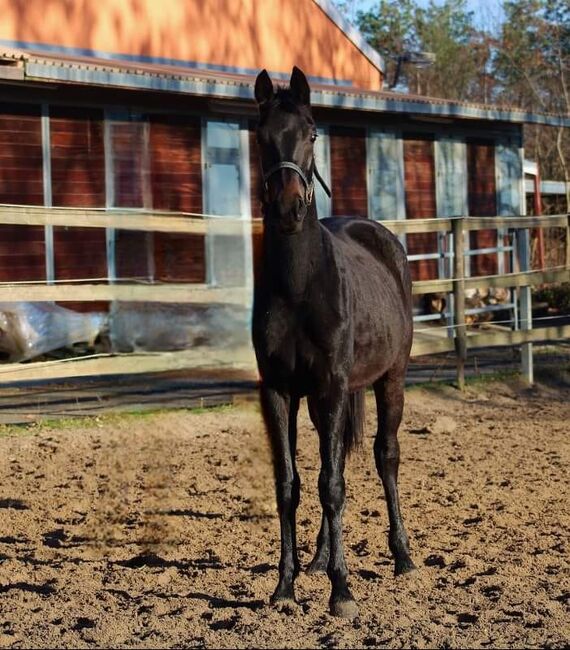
(355, 419)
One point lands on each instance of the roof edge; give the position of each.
(351, 33)
(43, 69)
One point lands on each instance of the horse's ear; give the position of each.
(300, 86)
(263, 88)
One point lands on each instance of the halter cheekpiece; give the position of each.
(309, 186)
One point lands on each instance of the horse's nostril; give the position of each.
(300, 209)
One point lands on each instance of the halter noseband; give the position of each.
(309, 186)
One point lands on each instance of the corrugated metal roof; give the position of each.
(170, 78)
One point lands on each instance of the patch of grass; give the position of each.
(486, 378)
(66, 423)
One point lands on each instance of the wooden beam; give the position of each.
(521, 279)
(206, 363)
(203, 293)
(122, 220)
(518, 337)
(194, 223)
(202, 362)
(474, 223)
(178, 293)
(475, 339)
(424, 345)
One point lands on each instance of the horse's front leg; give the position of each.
(280, 413)
(332, 415)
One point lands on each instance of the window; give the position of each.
(225, 157)
(322, 160)
(128, 182)
(508, 163)
(127, 171)
(385, 176)
(451, 177)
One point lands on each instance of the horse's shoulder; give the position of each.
(372, 235)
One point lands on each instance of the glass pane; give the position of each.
(322, 160)
(509, 175)
(385, 176)
(129, 161)
(222, 134)
(228, 256)
(451, 178)
(223, 190)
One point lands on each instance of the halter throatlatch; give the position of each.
(309, 186)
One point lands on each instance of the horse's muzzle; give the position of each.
(291, 215)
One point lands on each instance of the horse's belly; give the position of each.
(382, 339)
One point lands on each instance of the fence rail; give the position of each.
(206, 362)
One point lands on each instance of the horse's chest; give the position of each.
(296, 350)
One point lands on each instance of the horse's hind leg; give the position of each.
(280, 413)
(320, 561)
(389, 391)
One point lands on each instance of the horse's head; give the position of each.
(285, 135)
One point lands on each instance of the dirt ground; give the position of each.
(160, 530)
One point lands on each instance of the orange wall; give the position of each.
(274, 34)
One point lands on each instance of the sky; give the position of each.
(487, 12)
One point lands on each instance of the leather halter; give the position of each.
(309, 186)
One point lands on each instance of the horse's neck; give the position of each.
(294, 259)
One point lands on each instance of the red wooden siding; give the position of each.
(482, 193)
(255, 185)
(254, 174)
(348, 171)
(134, 255)
(22, 253)
(77, 157)
(80, 253)
(22, 248)
(78, 180)
(175, 158)
(419, 185)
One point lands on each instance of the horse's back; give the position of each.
(364, 241)
(377, 266)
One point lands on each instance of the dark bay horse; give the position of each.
(332, 315)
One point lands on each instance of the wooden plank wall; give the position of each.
(78, 180)
(348, 171)
(419, 187)
(482, 193)
(255, 189)
(176, 182)
(22, 249)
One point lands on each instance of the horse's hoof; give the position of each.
(344, 609)
(403, 567)
(316, 566)
(284, 605)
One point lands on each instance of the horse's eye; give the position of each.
(314, 136)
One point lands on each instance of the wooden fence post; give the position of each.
(525, 305)
(568, 241)
(458, 227)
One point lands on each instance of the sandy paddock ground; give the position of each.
(160, 530)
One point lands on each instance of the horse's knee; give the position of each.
(332, 493)
(386, 453)
(288, 493)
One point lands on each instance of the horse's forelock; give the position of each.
(284, 99)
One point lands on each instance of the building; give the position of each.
(148, 106)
